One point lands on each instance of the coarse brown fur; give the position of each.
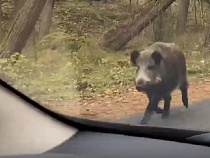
(161, 68)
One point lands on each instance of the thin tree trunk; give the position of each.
(117, 38)
(1, 35)
(182, 16)
(21, 28)
(46, 18)
(130, 5)
(195, 15)
(206, 41)
(158, 28)
(201, 12)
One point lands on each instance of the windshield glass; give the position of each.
(134, 62)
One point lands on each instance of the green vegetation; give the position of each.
(73, 70)
(71, 64)
(68, 71)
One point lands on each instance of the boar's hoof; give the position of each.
(165, 115)
(146, 117)
(185, 101)
(186, 105)
(144, 122)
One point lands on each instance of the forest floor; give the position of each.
(112, 107)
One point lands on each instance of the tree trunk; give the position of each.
(158, 30)
(182, 16)
(206, 41)
(46, 19)
(21, 28)
(1, 35)
(130, 5)
(118, 37)
(161, 31)
(195, 12)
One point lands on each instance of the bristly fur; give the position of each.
(171, 64)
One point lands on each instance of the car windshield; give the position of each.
(134, 62)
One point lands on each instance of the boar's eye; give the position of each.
(150, 67)
(133, 57)
(157, 57)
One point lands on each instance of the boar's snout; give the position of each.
(141, 85)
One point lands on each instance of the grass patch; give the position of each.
(102, 71)
(68, 73)
(78, 17)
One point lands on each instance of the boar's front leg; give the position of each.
(167, 104)
(152, 106)
(157, 109)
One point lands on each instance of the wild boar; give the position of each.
(161, 68)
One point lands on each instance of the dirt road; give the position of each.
(133, 102)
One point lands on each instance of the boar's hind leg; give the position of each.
(184, 91)
(153, 103)
(158, 110)
(167, 103)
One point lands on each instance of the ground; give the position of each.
(124, 104)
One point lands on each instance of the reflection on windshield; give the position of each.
(119, 61)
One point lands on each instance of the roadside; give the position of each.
(124, 104)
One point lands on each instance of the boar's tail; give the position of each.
(184, 85)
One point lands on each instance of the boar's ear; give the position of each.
(156, 56)
(133, 57)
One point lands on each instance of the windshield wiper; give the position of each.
(201, 139)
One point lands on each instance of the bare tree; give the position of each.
(46, 18)
(161, 30)
(182, 16)
(206, 41)
(202, 11)
(195, 11)
(130, 5)
(158, 30)
(118, 37)
(1, 35)
(21, 27)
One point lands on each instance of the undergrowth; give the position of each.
(77, 70)
(68, 63)
(78, 17)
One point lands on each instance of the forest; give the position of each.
(72, 56)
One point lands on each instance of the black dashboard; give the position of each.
(114, 145)
(103, 145)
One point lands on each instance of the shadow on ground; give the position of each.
(196, 117)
